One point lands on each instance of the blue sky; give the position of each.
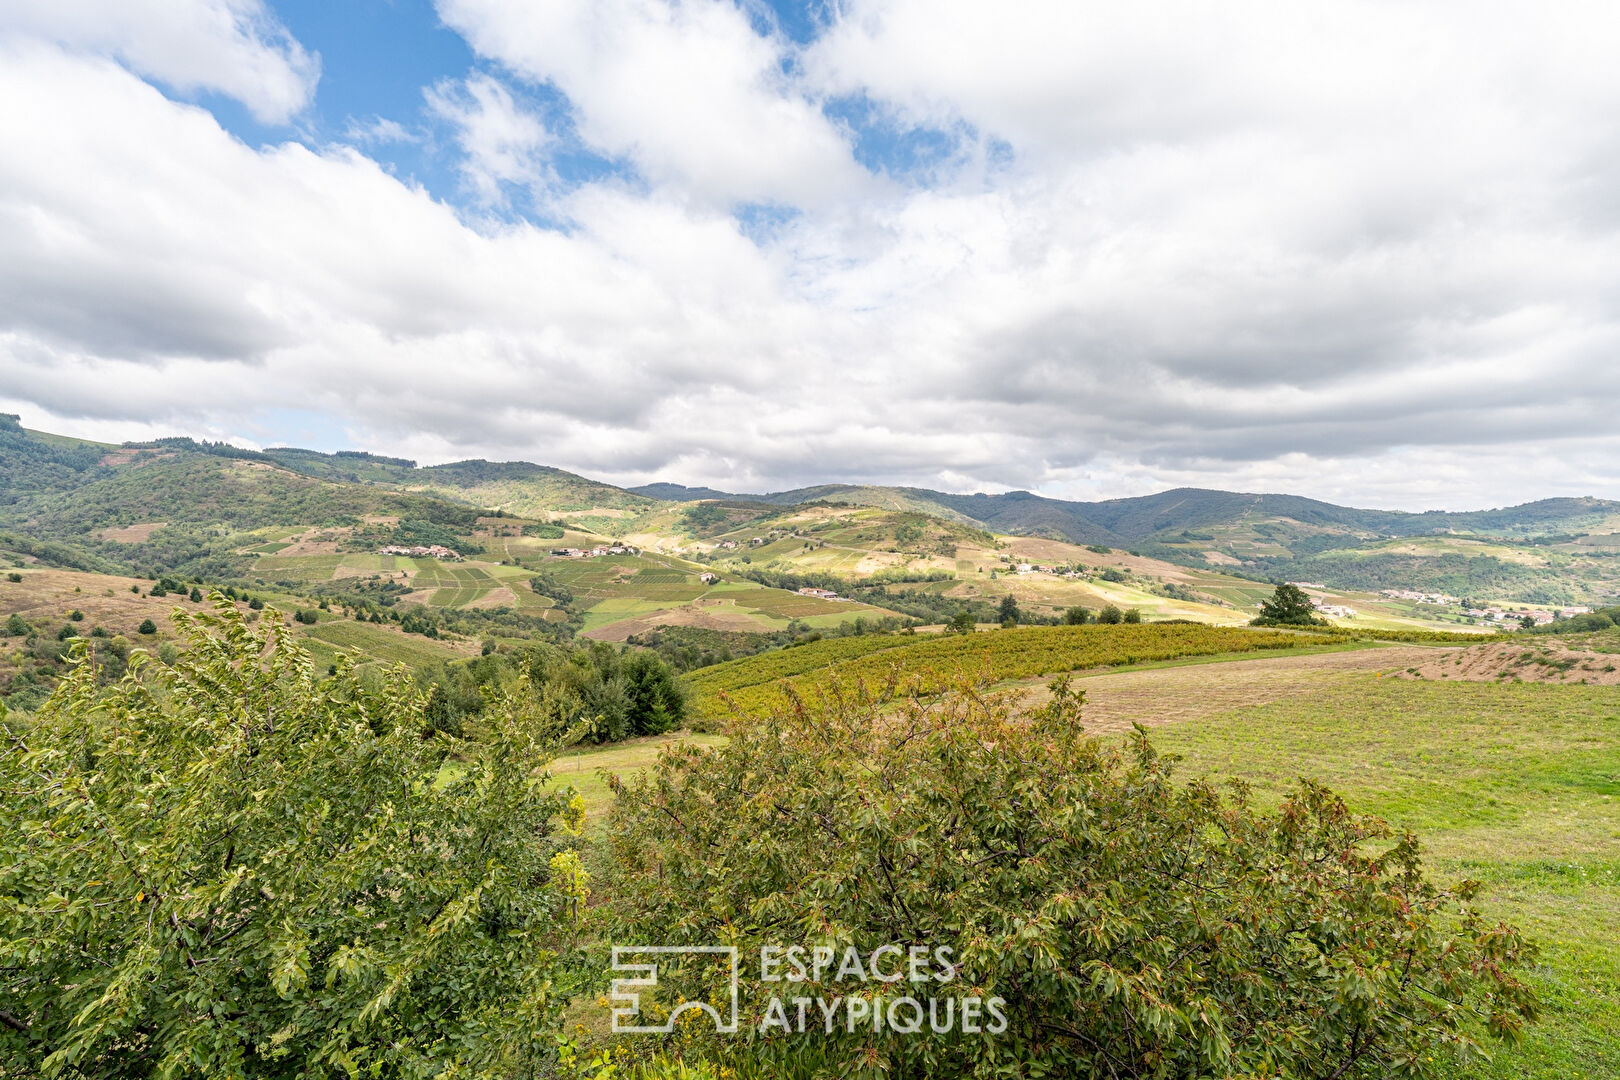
(379, 59)
(1368, 253)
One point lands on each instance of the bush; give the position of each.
(1077, 616)
(76, 615)
(14, 576)
(147, 627)
(17, 626)
(1132, 615)
(1111, 615)
(1134, 925)
(358, 915)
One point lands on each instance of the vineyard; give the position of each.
(754, 682)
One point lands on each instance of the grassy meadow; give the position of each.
(1514, 785)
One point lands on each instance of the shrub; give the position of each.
(1077, 616)
(147, 627)
(1111, 615)
(76, 615)
(14, 576)
(1132, 615)
(17, 626)
(265, 875)
(1135, 925)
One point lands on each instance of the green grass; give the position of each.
(1517, 786)
(381, 644)
(582, 767)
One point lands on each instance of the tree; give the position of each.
(1077, 616)
(1136, 925)
(229, 868)
(196, 595)
(1527, 622)
(1288, 606)
(1008, 611)
(1111, 615)
(1132, 615)
(962, 622)
(147, 627)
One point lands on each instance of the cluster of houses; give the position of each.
(1420, 597)
(728, 545)
(420, 551)
(1540, 618)
(1039, 568)
(821, 594)
(593, 553)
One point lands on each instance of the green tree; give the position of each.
(962, 621)
(17, 626)
(1111, 615)
(147, 627)
(196, 595)
(1077, 616)
(1136, 925)
(229, 868)
(1288, 606)
(1132, 615)
(1008, 609)
(657, 701)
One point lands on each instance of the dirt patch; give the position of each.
(501, 597)
(1547, 661)
(1173, 695)
(312, 542)
(706, 615)
(1219, 558)
(133, 534)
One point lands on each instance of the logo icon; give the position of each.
(627, 1001)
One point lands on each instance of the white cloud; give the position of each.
(233, 47)
(686, 90)
(499, 141)
(1324, 248)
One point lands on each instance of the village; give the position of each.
(421, 551)
(595, 552)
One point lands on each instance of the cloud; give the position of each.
(500, 142)
(1324, 248)
(232, 47)
(688, 91)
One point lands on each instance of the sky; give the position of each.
(1363, 251)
